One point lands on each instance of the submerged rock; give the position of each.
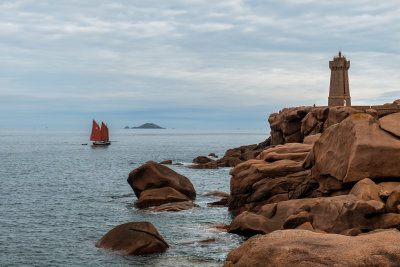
(175, 206)
(209, 165)
(133, 238)
(306, 248)
(219, 227)
(216, 193)
(220, 203)
(202, 160)
(204, 241)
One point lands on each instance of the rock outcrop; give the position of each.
(276, 175)
(329, 170)
(343, 181)
(286, 125)
(305, 248)
(337, 215)
(294, 124)
(291, 125)
(133, 238)
(155, 184)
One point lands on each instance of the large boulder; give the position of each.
(313, 122)
(305, 248)
(287, 187)
(366, 190)
(337, 214)
(133, 238)
(159, 196)
(393, 201)
(352, 150)
(310, 139)
(152, 175)
(166, 162)
(250, 223)
(319, 119)
(338, 114)
(229, 161)
(391, 123)
(291, 151)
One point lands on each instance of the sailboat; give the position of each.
(99, 135)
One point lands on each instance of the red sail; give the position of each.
(95, 136)
(104, 132)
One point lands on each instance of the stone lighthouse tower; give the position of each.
(339, 93)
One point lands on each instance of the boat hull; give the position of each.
(102, 143)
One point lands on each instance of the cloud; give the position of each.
(210, 27)
(128, 56)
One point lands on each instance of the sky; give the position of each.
(223, 64)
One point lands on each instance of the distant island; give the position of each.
(146, 126)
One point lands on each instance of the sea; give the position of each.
(58, 196)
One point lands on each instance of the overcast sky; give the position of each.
(188, 64)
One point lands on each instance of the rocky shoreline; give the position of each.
(328, 177)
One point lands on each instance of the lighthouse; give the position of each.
(339, 92)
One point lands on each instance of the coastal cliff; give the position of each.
(326, 170)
